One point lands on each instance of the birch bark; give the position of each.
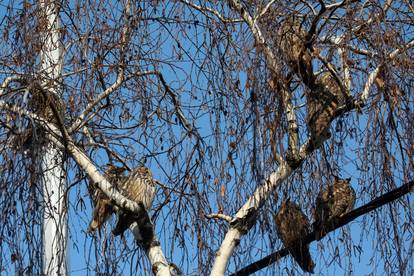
(54, 184)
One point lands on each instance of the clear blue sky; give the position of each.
(329, 254)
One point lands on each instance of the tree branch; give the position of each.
(82, 120)
(372, 205)
(205, 10)
(6, 82)
(372, 76)
(154, 253)
(219, 216)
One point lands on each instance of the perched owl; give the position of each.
(323, 100)
(103, 204)
(138, 186)
(333, 202)
(292, 44)
(292, 224)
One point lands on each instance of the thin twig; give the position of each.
(372, 205)
(205, 10)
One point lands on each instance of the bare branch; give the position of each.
(373, 75)
(257, 33)
(80, 121)
(7, 82)
(206, 10)
(178, 110)
(372, 205)
(264, 10)
(233, 235)
(86, 164)
(219, 216)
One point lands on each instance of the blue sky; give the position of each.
(200, 89)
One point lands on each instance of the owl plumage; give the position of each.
(292, 224)
(292, 44)
(332, 203)
(138, 186)
(104, 207)
(323, 99)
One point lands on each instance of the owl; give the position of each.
(138, 186)
(292, 224)
(323, 100)
(292, 37)
(332, 203)
(104, 207)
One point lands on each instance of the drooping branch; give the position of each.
(372, 205)
(64, 141)
(207, 10)
(245, 218)
(83, 117)
(372, 76)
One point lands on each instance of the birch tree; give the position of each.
(215, 97)
(50, 158)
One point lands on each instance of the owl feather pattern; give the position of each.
(138, 186)
(332, 203)
(323, 100)
(292, 224)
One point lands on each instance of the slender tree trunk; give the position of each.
(54, 180)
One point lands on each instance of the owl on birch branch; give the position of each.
(323, 99)
(292, 44)
(138, 186)
(332, 203)
(292, 225)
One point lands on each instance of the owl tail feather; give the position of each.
(302, 256)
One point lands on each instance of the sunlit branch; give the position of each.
(219, 216)
(409, 4)
(372, 205)
(339, 4)
(345, 68)
(79, 156)
(257, 33)
(246, 216)
(205, 10)
(271, 61)
(323, 9)
(80, 121)
(7, 82)
(341, 49)
(87, 165)
(373, 75)
(372, 19)
(264, 10)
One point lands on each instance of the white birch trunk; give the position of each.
(54, 180)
